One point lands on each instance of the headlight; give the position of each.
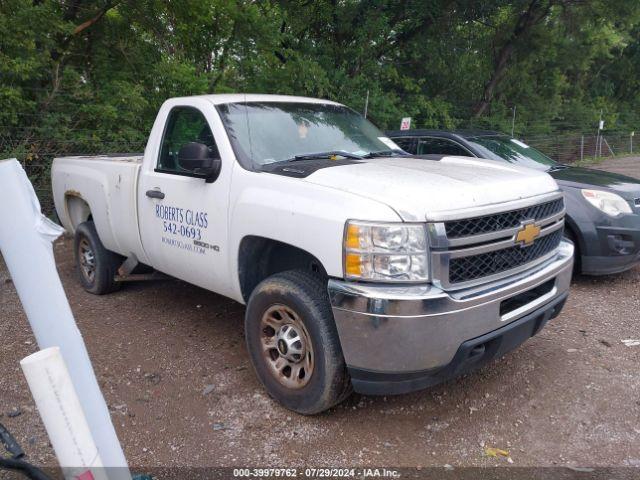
(385, 252)
(607, 202)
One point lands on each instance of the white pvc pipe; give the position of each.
(62, 415)
(25, 244)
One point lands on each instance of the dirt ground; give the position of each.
(625, 165)
(172, 364)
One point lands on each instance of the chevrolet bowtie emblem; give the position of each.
(527, 234)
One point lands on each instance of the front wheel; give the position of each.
(97, 266)
(293, 342)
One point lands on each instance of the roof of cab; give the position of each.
(444, 133)
(218, 99)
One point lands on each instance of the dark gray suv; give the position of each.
(603, 209)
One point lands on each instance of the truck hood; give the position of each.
(420, 189)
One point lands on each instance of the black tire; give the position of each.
(105, 266)
(569, 235)
(306, 295)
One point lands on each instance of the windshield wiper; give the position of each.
(386, 153)
(333, 153)
(559, 166)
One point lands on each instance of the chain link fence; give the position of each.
(37, 155)
(571, 148)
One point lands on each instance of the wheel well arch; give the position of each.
(572, 229)
(261, 257)
(77, 209)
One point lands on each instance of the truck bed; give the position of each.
(106, 186)
(108, 157)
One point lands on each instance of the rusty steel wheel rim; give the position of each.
(286, 346)
(87, 260)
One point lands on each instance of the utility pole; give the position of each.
(513, 120)
(581, 147)
(366, 104)
(631, 141)
(598, 150)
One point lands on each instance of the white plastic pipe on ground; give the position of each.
(62, 415)
(25, 244)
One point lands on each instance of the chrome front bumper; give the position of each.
(407, 329)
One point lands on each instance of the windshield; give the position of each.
(513, 151)
(266, 132)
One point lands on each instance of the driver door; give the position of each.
(182, 218)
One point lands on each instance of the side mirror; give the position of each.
(199, 159)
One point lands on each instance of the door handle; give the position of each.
(155, 194)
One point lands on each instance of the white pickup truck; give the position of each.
(362, 267)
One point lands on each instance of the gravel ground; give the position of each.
(171, 361)
(625, 165)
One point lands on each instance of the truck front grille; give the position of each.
(465, 269)
(467, 252)
(503, 220)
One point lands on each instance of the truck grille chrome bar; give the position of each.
(470, 251)
(501, 221)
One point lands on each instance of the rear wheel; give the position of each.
(97, 266)
(293, 342)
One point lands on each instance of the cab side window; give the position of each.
(408, 144)
(441, 146)
(184, 125)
